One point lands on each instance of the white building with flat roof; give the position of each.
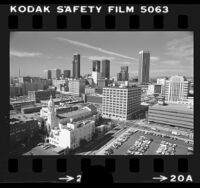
(70, 135)
(120, 103)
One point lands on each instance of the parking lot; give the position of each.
(181, 147)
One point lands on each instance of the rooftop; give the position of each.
(14, 117)
(38, 150)
(173, 107)
(75, 113)
(123, 87)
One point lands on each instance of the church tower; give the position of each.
(51, 120)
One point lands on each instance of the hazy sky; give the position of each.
(33, 52)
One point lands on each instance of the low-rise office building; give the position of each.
(41, 95)
(178, 115)
(71, 135)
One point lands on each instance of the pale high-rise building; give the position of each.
(96, 76)
(176, 89)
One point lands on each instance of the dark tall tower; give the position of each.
(144, 65)
(105, 69)
(76, 66)
(67, 73)
(96, 65)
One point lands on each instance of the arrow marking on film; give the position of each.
(67, 178)
(161, 178)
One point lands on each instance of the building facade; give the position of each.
(101, 83)
(96, 76)
(47, 74)
(176, 89)
(61, 85)
(120, 103)
(154, 89)
(77, 86)
(123, 75)
(55, 73)
(162, 82)
(144, 66)
(41, 95)
(70, 135)
(21, 128)
(177, 115)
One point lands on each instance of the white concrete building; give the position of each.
(70, 135)
(176, 89)
(96, 76)
(121, 103)
(154, 89)
(162, 82)
(76, 86)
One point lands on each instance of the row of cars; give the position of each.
(45, 146)
(140, 146)
(160, 134)
(166, 148)
(119, 142)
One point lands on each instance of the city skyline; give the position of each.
(171, 52)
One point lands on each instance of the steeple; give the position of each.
(51, 102)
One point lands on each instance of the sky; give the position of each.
(33, 52)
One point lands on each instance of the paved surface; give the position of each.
(181, 148)
(100, 144)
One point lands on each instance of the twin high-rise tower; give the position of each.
(103, 68)
(100, 70)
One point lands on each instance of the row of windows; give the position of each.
(115, 116)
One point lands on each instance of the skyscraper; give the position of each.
(123, 75)
(144, 65)
(55, 73)
(96, 65)
(176, 89)
(105, 69)
(76, 66)
(47, 74)
(67, 73)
